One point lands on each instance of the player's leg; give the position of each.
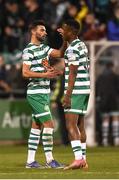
(43, 115)
(47, 140)
(34, 136)
(33, 143)
(81, 126)
(81, 123)
(72, 116)
(74, 136)
(78, 106)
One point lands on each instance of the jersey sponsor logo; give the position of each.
(70, 51)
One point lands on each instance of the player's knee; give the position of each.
(70, 128)
(49, 124)
(36, 125)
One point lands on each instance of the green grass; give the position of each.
(103, 163)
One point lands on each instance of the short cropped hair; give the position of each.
(74, 25)
(36, 23)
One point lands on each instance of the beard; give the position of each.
(41, 39)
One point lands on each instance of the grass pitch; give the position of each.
(103, 163)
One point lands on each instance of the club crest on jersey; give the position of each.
(70, 51)
(46, 108)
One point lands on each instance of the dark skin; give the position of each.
(71, 82)
(74, 122)
(76, 129)
(70, 35)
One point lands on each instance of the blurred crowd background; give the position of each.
(99, 21)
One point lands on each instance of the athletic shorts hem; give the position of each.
(74, 112)
(43, 119)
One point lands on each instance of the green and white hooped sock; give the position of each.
(83, 147)
(47, 140)
(76, 146)
(33, 143)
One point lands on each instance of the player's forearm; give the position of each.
(31, 74)
(71, 83)
(71, 80)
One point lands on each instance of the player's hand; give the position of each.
(61, 32)
(51, 73)
(67, 102)
(60, 72)
(50, 68)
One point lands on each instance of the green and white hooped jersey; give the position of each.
(77, 54)
(33, 56)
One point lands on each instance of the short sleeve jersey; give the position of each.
(77, 54)
(33, 56)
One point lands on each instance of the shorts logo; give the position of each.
(46, 108)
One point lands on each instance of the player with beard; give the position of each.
(36, 67)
